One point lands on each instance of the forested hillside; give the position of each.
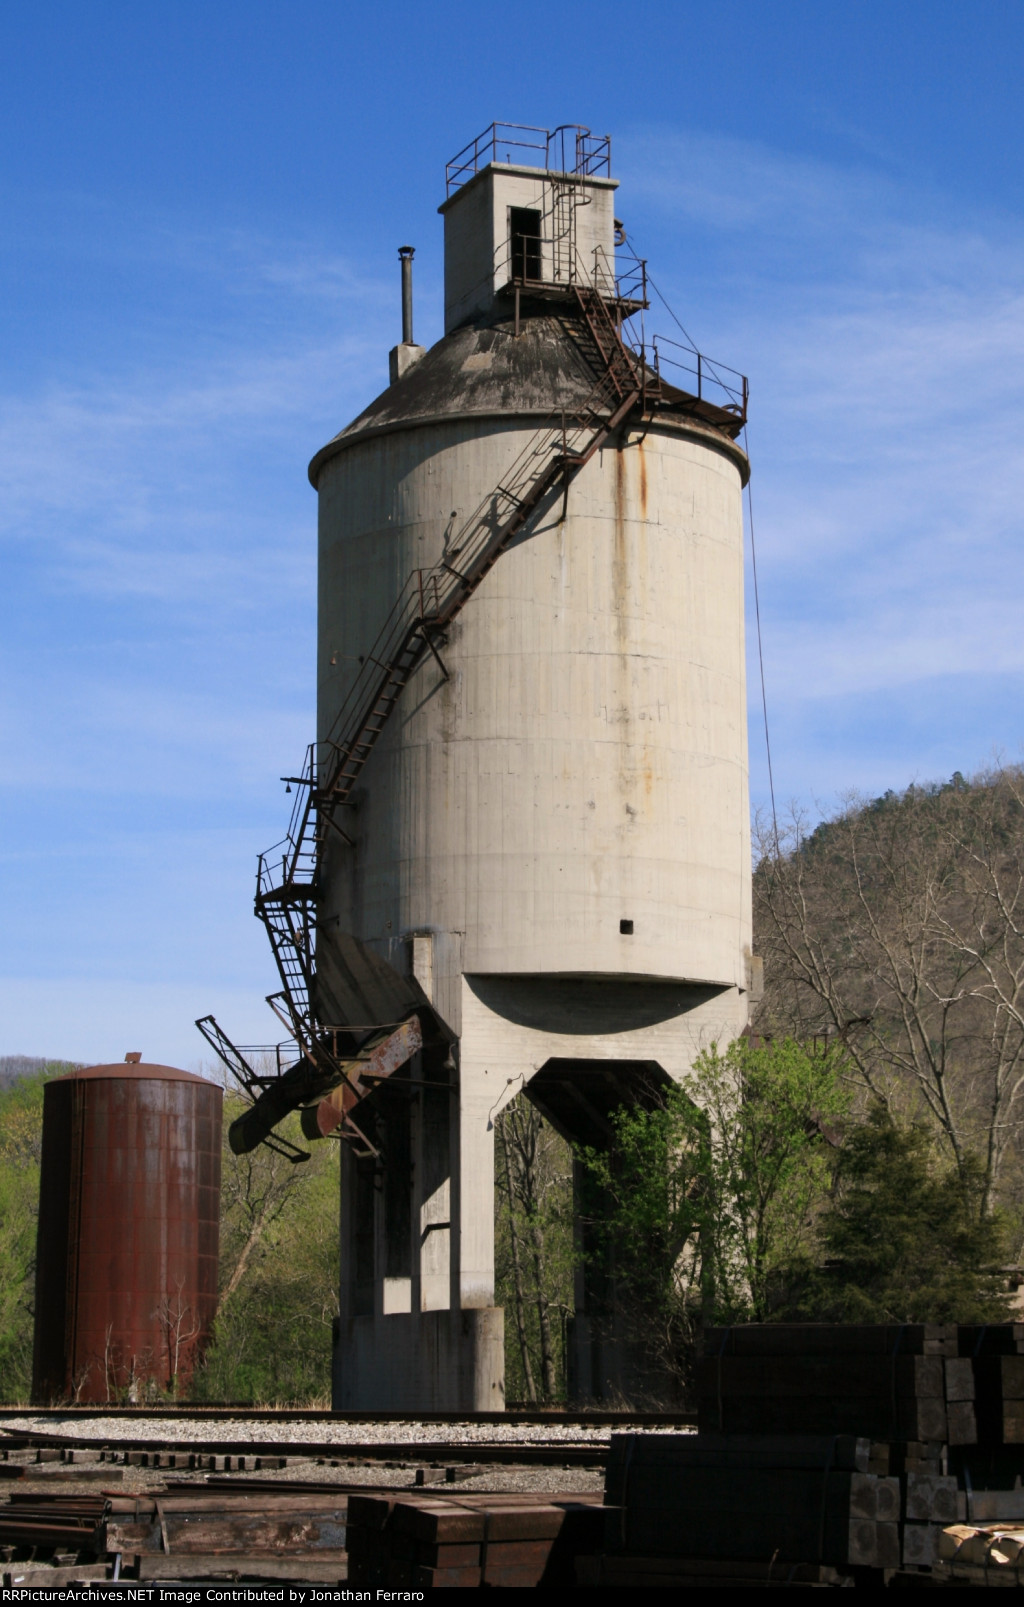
(21, 1130)
(863, 1160)
(896, 927)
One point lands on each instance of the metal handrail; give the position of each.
(707, 371)
(591, 153)
(285, 1054)
(604, 277)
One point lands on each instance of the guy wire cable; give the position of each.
(760, 652)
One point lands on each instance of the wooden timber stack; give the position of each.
(887, 1382)
(995, 1353)
(745, 1498)
(417, 1543)
(981, 1554)
(826, 1455)
(779, 1509)
(186, 1534)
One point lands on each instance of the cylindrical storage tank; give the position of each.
(129, 1222)
(573, 799)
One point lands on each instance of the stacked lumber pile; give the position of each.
(779, 1509)
(200, 1534)
(744, 1498)
(825, 1451)
(995, 1354)
(193, 1534)
(407, 1542)
(901, 1382)
(981, 1554)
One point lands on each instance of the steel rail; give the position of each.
(518, 1453)
(509, 1419)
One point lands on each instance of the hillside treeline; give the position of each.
(896, 928)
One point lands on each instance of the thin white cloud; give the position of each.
(884, 335)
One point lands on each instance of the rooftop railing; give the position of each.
(717, 383)
(569, 149)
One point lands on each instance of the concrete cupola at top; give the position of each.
(527, 811)
(509, 224)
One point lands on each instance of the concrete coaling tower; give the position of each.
(550, 837)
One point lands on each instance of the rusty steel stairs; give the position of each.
(288, 888)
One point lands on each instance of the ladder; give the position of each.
(564, 201)
(287, 883)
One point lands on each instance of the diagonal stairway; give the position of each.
(286, 891)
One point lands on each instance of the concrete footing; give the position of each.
(443, 1361)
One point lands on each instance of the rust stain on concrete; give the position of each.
(619, 561)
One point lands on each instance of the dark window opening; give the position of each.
(524, 228)
(626, 928)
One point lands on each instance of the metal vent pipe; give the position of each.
(406, 254)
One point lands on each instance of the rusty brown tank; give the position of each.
(129, 1213)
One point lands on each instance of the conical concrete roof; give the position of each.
(484, 368)
(479, 369)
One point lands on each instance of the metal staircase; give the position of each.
(287, 880)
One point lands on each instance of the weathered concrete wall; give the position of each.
(477, 260)
(403, 1339)
(584, 765)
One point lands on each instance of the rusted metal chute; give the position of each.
(325, 1099)
(386, 1055)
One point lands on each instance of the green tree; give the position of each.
(770, 1116)
(706, 1200)
(279, 1274)
(21, 1137)
(907, 1238)
(533, 1250)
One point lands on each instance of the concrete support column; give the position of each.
(475, 1207)
(418, 1329)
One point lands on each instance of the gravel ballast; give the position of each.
(285, 1430)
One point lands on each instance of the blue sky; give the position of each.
(198, 286)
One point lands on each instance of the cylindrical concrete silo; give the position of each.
(129, 1222)
(552, 831)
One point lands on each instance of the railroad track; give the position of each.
(522, 1453)
(191, 1448)
(513, 1417)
